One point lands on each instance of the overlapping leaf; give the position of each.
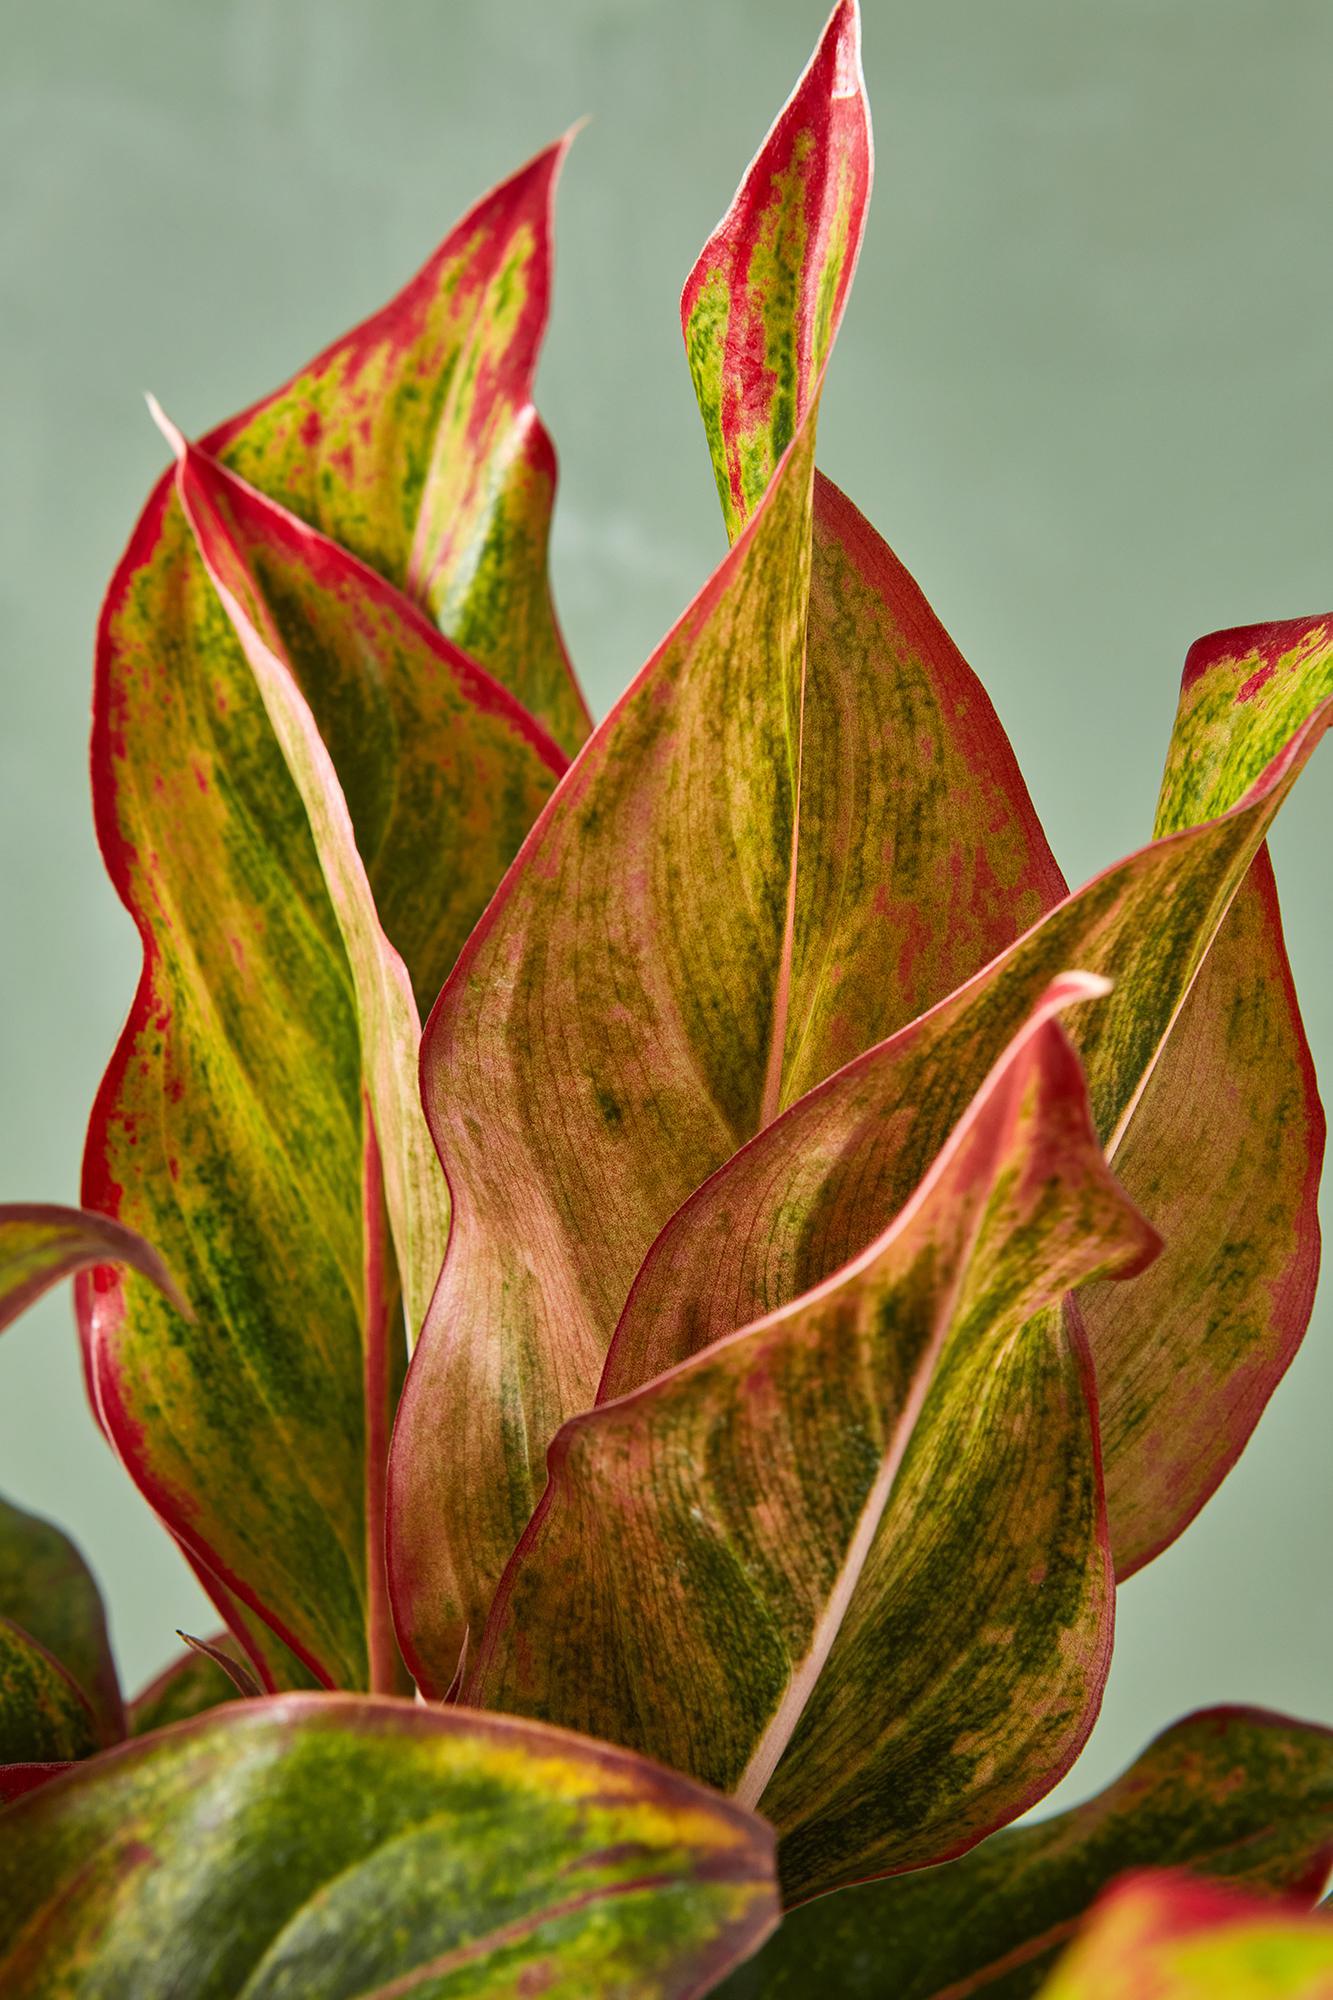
(1189, 1359)
(1176, 1939)
(713, 907)
(817, 1185)
(827, 1562)
(342, 1847)
(1233, 1793)
(234, 1120)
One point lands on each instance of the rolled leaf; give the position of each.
(867, 1617)
(44, 1717)
(192, 1684)
(234, 1114)
(1233, 1793)
(1176, 1939)
(320, 1844)
(810, 1191)
(48, 1590)
(41, 1243)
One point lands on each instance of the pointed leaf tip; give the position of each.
(761, 308)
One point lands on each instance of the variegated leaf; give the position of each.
(341, 1847)
(850, 1562)
(1233, 1793)
(235, 1112)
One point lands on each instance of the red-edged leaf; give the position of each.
(624, 1016)
(413, 442)
(1223, 1152)
(815, 1187)
(344, 1848)
(47, 1588)
(850, 1563)
(761, 307)
(235, 1112)
(1166, 1937)
(41, 1243)
(1235, 1793)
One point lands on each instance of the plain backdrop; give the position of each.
(1083, 388)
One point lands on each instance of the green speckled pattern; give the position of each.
(813, 1188)
(850, 1562)
(1238, 1795)
(233, 1118)
(44, 1717)
(323, 1846)
(47, 1589)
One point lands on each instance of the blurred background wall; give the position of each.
(1083, 389)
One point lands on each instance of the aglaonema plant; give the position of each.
(663, 1440)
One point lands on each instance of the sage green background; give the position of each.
(1083, 389)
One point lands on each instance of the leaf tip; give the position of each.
(174, 437)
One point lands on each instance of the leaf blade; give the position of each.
(1241, 1795)
(47, 1588)
(500, 1846)
(773, 1488)
(811, 1189)
(632, 976)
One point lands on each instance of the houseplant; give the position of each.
(773, 1084)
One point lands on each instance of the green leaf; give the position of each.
(47, 1588)
(260, 1109)
(1233, 1793)
(322, 1844)
(1173, 1939)
(44, 1717)
(810, 1191)
(880, 1602)
(192, 1684)
(41, 1243)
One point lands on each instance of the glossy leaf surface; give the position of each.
(43, 1716)
(1233, 1793)
(341, 1847)
(816, 1498)
(715, 905)
(234, 1112)
(41, 1243)
(816, 1186)
(48, 1590)
(1175, 1939)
